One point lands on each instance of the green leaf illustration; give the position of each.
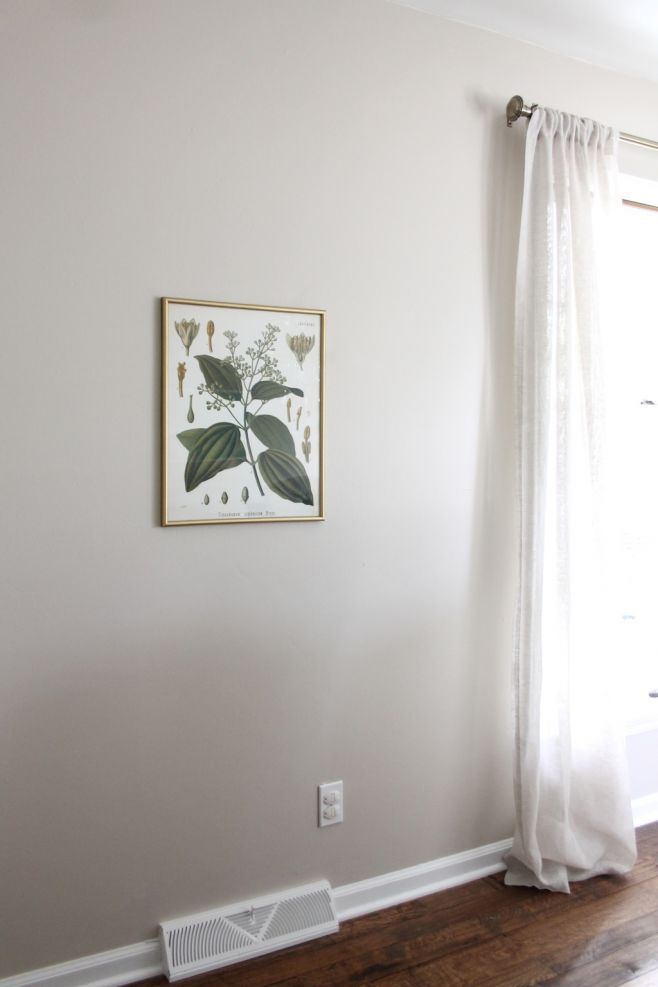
(285, 475)
(219, 448)
(267, 390)
(272, 433)
(221, 377)
(190, 436)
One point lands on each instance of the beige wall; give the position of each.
(172, 697)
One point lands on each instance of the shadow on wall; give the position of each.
(493, 558)
(157, 412)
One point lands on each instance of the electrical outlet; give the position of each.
(330, 803)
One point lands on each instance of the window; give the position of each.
(634, 415)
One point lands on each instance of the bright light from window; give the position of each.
(634, 417)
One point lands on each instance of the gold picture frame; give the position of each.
(242, 413)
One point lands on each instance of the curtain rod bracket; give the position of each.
(516, 108)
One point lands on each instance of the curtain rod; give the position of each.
(517, 108)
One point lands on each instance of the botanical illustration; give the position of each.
(238, 387)
(301, 346)
(244, 389)
(188, 331)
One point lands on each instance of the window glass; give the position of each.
(634, 417)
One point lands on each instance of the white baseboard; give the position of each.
(645, 811)
(414, 882)
(128, 965)
(114, 968)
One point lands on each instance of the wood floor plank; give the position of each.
(567, 930)
(368, 967)
(607, 942)
(497, 962)
(547, 906)
(619, 967)
(518, 910)
(534, 948)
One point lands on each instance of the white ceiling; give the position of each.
(617, 34)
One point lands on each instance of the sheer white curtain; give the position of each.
(573, 813)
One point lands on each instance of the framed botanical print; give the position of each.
(242, 413)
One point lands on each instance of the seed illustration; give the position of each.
(181, 377)
(306, 444)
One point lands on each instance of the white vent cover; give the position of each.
(238, 932)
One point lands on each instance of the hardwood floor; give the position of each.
(483, 935)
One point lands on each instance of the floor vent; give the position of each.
(213, 939)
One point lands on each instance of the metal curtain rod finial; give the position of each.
(517, 108)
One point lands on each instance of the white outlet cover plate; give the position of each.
(330, 803)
